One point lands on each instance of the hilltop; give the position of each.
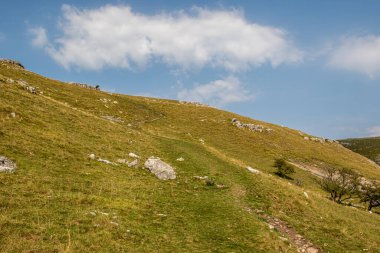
(61, 198)
(368, 147)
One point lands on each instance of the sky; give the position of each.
(307, 65)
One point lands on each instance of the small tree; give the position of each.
(283, 168)
(342, 184)
(370, 192)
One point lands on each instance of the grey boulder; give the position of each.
(159, 168)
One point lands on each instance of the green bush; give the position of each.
(283, 168)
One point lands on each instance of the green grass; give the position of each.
(47, 205)
(368, 147)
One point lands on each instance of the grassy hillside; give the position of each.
(368, 147)
(59, 200)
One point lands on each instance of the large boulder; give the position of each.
(159, 168)
(6, 165)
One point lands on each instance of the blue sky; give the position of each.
(308, 65)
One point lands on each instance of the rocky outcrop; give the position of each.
(159, 168)
(27, 87)
(84, 85)
(251, 127)
(12, 63)
(7, 165)
(193, 103)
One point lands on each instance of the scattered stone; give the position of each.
(201, 178)
(134, 163)
(161, 215)
(159, 168)
(306, 138)
(122, 161)
(129, 125)
(181, 159)
(202, 141)
(133, 155)
(251, 127)
(92, 156)
(93, 213)
(6, 165)
(87, 86)
(114, 223)
(27, 87)
(13, 114)
(220, 186)
(31, 89)
(252, 170)
(271, 227)
(106, 161)
(197, 104)
(306, 195)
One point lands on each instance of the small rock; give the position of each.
(306, 195)
(93, 213)
(201, 178)
(161, 215)
(114, 223)
(134, 163)
(159, 168)
(6, 165)
(105, 161)
(92, 156)
(133, 155)
(252, 170)
(123, 161)
(312, 250)
(181, 159)
(271, 227)
(13, 114)
(202, 141)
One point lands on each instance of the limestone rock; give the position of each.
(252, 170)
(92, 156)
(134, 163)
(105, 161)
(6, 165)
(159, 168)
(181, 159)
(133, 155)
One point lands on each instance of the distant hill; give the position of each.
(368, 147)
(81, 185)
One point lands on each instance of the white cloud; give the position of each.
(40, 38)
(359, 54)
(374, 131)
(115, 36)
(219, 92)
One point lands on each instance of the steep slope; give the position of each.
(60, 200)
(368, 147)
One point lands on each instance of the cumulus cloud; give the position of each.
(374, 131)
(116, 36)
(219, 92)
(40, 38)
(359, 54)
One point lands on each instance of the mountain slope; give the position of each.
(60, 200)
(368, 147)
